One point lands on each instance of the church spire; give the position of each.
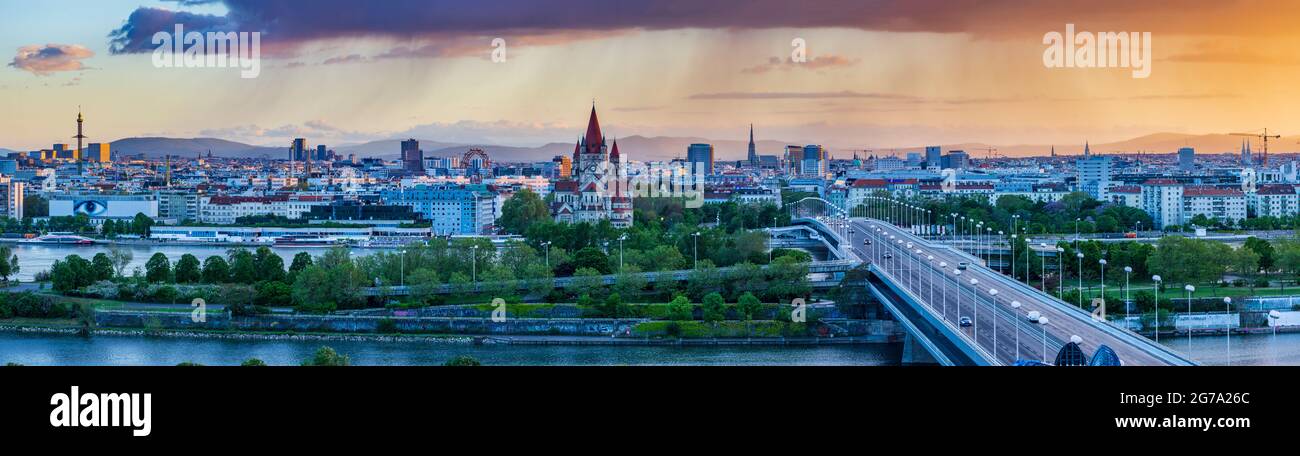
(593, 139)
(1086, 151)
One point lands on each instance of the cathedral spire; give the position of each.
(593, 139)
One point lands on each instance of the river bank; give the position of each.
(517, 339)
(64, 348)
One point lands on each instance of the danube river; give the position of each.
(34, 258)
(43, 349)
(1252, 350)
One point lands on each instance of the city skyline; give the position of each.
(875, 76)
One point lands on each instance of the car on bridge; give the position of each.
(889, 256)
(962, 265)
(964, 321)
(1032, 316)
(866, 242)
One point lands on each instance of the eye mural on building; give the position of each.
(90, 207)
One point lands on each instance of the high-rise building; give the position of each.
(298, 151)
(814, 160)
(412, 157)
(1163, 200)
(701, 154)
(933, 156)
(753, 151)
(563, 166)
(322, 153)
(1094, 176)
(956, 159)
(1187, 159)
(11, 194)
(97, 152)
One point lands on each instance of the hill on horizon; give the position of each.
(642, 148)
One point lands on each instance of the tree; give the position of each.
(714, 307)
(158, 269)
(540, 279)
(423, 284)
(749, 305)
(311, 291)
(8, 263)
(680, 309)
(188, 269)
(326, 356)
(216, 270)
(141, 224)
(102, 265)
(615, 308)
(1261, 247)
(1245, 262)
(523, 210)
(274, 293)
(593, 258)
(71, 273)
(630, 281)
(587, 281)
(300, 262)
(269, 266)
(704, 280)
(243, 266)
(120, 257)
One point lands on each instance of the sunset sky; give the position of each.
(878, 74)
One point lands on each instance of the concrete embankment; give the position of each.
(479, 329)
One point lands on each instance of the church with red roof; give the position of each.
(597, 188)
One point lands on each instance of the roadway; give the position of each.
(1010, 332)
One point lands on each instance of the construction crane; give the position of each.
(989, 152)
(1264, 137)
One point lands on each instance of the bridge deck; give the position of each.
(997, 327)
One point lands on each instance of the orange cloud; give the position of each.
(51, 58)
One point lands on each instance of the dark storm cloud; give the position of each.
(293, 22)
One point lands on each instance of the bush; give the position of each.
(252, 362)
(680, 309)
(326, 356)
(386, 326)
(462, 360)
(714, 307)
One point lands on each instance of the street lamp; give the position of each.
(473, 258)
(547, 246)
(1013, 255)
(957, 280)
(975, 302)
(993, 294)
(1227, 324)
(1080, 290)
(620, 251)
(1042, 324)
(1015, 305)
(943, 289)
(1127, 270)
(695, 252)
(1157, 280)
(1060, 271)
(1102, 262)
(1042, 275)
(1189, 289)
(930, 259)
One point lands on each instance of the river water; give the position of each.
(43, 349)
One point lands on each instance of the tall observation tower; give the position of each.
(76, 155)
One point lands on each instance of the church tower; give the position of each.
(753, 153)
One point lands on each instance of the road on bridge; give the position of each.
(952, 300)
